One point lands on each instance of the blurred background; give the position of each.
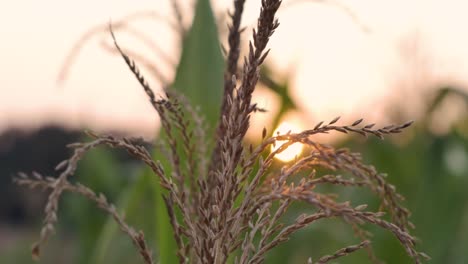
(385, 61)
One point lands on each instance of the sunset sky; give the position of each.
(340, 57)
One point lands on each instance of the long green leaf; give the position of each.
(199, 78)
(128, 203)
(200, 72)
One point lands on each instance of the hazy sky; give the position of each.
(342, 57)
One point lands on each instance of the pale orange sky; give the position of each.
(335, 66)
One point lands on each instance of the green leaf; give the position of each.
(200, 72)
(164, 234)
(199, 78)
(442, 94)
(129, 204)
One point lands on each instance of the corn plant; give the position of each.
(225, 200)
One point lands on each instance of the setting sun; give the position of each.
(294, 150)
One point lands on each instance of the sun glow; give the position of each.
(292, 151)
